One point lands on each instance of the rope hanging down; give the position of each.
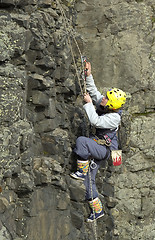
(69, 30)
(83, 91)
(91, 189)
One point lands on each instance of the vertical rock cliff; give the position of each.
(41, 116)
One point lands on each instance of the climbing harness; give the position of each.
(105, 141)
(116, 155)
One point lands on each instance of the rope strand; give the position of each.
(66, 22)
(91, 189)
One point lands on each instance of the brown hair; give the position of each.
(104, 110)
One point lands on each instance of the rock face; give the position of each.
(41, 116)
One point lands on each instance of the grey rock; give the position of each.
(41, 116)
(45, 125)
(40, 98)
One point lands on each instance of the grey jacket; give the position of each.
(108, 120)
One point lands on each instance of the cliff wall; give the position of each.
(41, 116)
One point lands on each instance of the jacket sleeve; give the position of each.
(109, 120)
(92, 89)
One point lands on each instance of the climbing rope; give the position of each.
(91, 190)
(83, 91)
(70, 31)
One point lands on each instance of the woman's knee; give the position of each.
(80, 140)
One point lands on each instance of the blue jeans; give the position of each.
(87, 148)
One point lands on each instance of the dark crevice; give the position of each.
(23, 193)
(6, 6)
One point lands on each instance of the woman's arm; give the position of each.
(90, 85)
(92, 89)
(109, 120)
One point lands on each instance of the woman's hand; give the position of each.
(88, 68)
(87, 98)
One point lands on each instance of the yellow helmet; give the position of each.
(116, 98)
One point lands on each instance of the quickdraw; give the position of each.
(84, 71)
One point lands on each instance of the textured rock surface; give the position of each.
(41, 115)
(119, 40)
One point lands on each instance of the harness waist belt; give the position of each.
(104, 141)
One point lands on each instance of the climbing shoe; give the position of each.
(82, 169)
(92, 218)
(78, 175)
(96, 210)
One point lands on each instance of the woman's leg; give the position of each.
(96, 210)
(90, 184)
(87, 148)
(82, 169)
(92, 193)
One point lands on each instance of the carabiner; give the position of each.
(93, 164)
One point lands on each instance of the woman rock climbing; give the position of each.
(106, 117)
